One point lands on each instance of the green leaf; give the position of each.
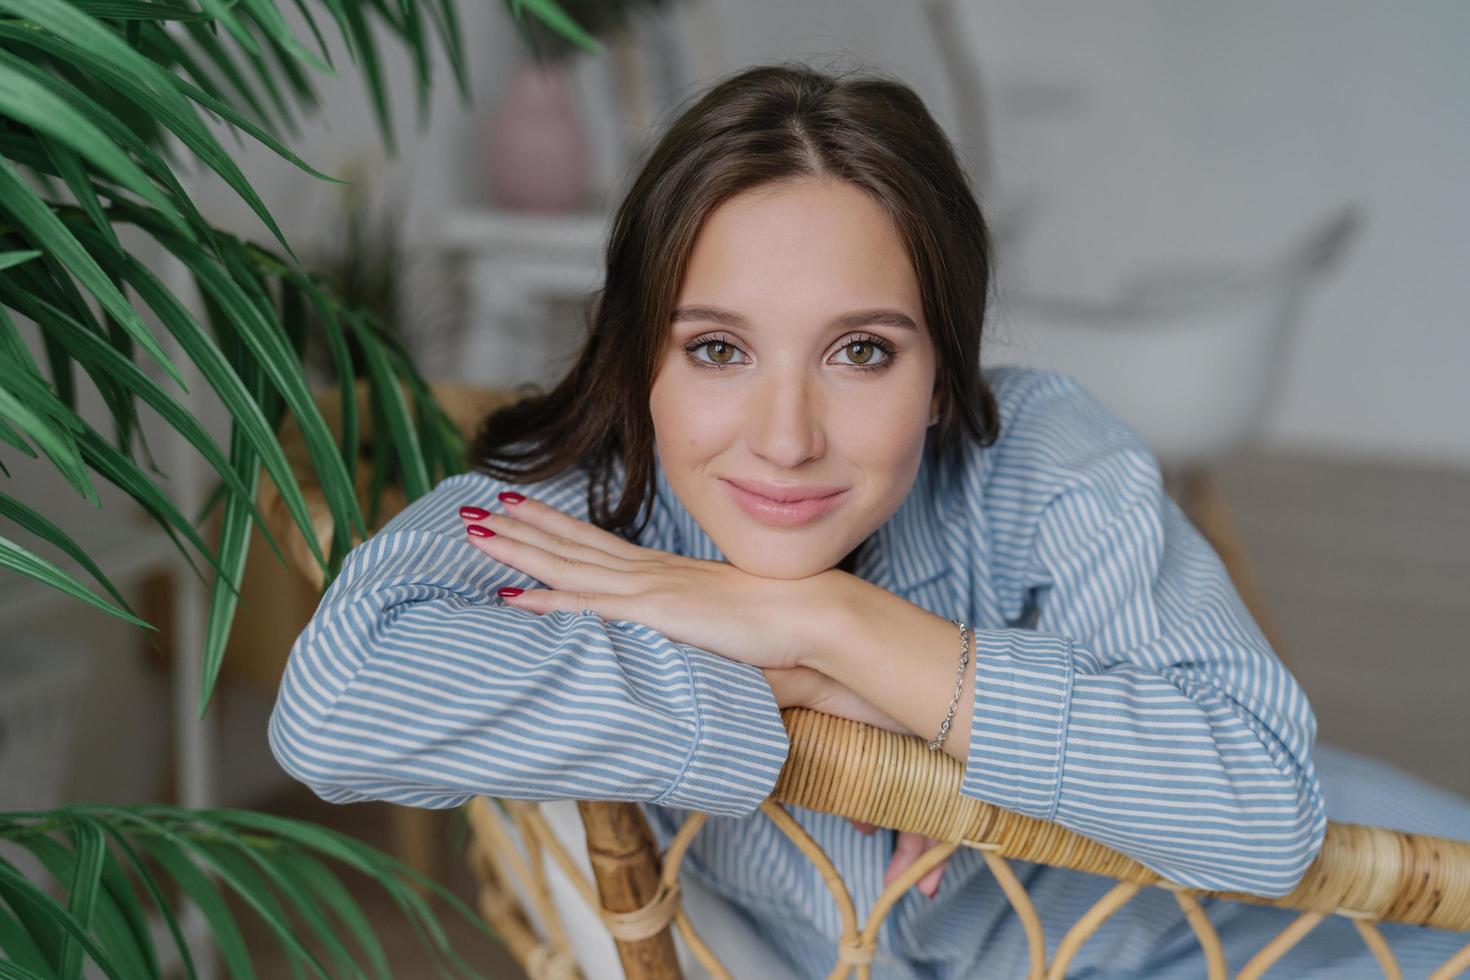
(125, 474)
(218, 56)
(446, 24)
(268, 16)
(18, 891)
(99, 896)
(275, 62)
(47, 231)
(135, 10)
(33, 566)
(223, 11)
(26, 400)
(244, 412)
(16, 942)
(37, 107)
(245, 883)
(146, 84)
(48, 278)
(222, 59)
(14, 971)
(197, 886)
(383, 868)
(133, 920)
(367, 51)
(85, 883)
(106, 109)
(45, 933)
(10, 259)
(90, 350)
(38, 525)
(227, 112)
(300, 899)
(267, 343)
(556, 18)
(69, 167)
(253, 887)
(389, 394)
(160, 901)
(234, 546)
(316, 877)
(316, 31)
(9, 435)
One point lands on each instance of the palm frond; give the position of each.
(102, 104)
(115, 864)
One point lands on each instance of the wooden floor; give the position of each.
(1367, 569)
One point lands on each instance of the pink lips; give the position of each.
(799, 506)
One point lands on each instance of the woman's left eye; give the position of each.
(867, 352)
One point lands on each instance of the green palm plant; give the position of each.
(101, 103)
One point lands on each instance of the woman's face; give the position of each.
(798, 363)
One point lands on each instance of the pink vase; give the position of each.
(537, 151)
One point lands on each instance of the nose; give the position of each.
(785, 425)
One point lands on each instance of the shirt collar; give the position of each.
(905, 552)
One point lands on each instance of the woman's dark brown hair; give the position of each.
(764, 124)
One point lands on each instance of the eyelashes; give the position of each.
(871, 340)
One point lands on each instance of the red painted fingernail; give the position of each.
(480, 531)
(511, 497)
(473, 513)
(508, 592)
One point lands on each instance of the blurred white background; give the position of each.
(1130, 135)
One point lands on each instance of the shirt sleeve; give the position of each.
(411, 684)
(1145, 709)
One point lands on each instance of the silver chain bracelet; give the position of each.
(959, 683)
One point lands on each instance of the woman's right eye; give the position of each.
(721, 352)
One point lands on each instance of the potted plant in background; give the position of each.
(102, 102)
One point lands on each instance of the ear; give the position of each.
(934, 408)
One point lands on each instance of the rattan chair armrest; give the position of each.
(854, 770)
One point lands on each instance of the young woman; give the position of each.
(776, 475)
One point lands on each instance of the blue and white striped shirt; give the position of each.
(1121, 690)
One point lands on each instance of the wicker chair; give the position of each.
(1369, 875)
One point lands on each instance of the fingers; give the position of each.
(555, 524)
(607, 607)
(565, 572)
(863, 826)
(929, 884)
(503, 525)
(906, 850)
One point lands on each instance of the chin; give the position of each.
(779, 560)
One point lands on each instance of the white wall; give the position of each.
(1147, 132)
(1137, 133)
(1221, 131)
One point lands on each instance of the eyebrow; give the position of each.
(854, 318)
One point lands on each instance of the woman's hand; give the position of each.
(709, 604)
(769, 623)
(804, 687)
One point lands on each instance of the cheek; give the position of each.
(879, 425)
(687, 422)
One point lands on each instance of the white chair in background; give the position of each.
(1190, 355)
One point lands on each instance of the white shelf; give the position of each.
(575, 234)
(516, 266)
